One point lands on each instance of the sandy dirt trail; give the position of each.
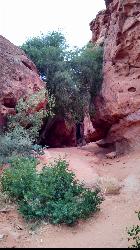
(105, 229)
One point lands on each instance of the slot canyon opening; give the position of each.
(59, 133)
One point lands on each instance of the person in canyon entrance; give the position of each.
(80, 134)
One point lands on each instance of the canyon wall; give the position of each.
(118, 106)
(18, 78)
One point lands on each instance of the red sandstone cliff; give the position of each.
(118, 106)
(18, 78)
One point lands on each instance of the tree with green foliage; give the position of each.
(87, 65)
(73, 77)
(48, 53)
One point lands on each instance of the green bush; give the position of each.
(54, 194)
(28, 117)
(20, 178)
(15, 142)
(23, 128)
(134, 235)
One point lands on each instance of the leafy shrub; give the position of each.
(28, 116)
(13, 143)
(38, 149)
(54, 194)
(134, 235)
(20, 178)
(24, 127)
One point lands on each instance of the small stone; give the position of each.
(19, 227)
(111, 155)
(3, 236)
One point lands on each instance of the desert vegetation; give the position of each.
(72, 79)
(22, 131)
(54, 194)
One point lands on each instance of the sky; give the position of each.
(22, 19)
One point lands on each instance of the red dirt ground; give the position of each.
(105, 229)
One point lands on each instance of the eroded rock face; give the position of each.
(91, 134)
(18, 78)
(118, 106)
(99, 28)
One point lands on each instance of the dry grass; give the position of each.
(108, 185)
(4, 200)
